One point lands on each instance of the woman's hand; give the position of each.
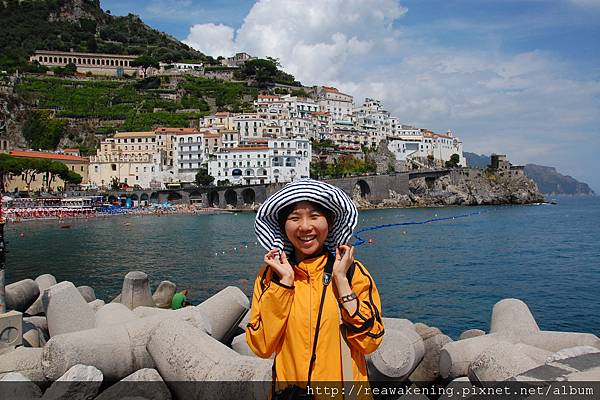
(344, 258)
(282, 267)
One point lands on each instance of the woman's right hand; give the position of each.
(282, 267)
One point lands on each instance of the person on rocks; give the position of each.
(296, 313)
(179, 300)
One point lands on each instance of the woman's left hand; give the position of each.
(344, 258)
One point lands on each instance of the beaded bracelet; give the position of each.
(347, 298)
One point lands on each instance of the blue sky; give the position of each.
(507, 76)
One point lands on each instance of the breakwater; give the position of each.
(71, 337)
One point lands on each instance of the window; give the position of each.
(113, 167)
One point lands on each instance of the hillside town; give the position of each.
(276, 143)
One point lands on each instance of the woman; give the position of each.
(306, 227)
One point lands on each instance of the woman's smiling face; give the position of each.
(306, 227)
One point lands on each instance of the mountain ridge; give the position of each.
(81, 25)
(548, 179)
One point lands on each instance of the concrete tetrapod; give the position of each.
(426, 331)
(43, 282)
(87, 292)
(456, 357)
(502, 361)
(15, 386)
(428, 369)
(506, 317)
(117, 350)
(136, 290)
(556, 341)
(469, 333)
(81, 382)
(96, 304)
(240, 345)
(144, 311)
(26, 360)
(185, 356)
(66, 310)
(164, 294)
(512, 316)
(224, 311)
(114, 314)
(20, 295)
(571, 352)
(153, 387)
(395, 358)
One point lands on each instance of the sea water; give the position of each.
(447, 274)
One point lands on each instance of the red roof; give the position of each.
(47, 155)
(178, 131)
(222, 114)
(330, 89)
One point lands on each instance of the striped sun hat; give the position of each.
(345, 213)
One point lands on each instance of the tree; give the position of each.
(114, 183)
(52, 169)
(71, 177)
(203, 178)
(30, 167)
(453, 162)
(9, 166)
(70, 69)
(145, 62)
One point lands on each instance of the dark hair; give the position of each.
(287, 210)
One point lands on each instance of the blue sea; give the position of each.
(447, 274)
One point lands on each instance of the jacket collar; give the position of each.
(312, 266)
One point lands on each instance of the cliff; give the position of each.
(466, 187)
(552, 182)
(547, 179)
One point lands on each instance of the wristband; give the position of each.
(347, 298)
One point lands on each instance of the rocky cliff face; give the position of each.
(466, 187)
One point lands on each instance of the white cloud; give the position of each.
(211, 39)
(523, 104)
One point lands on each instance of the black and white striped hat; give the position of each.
(345, 213)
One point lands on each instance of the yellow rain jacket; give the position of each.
(283, 321)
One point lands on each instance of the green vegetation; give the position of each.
(342, 167)
(29, 167)
(29, 25)
(228, 96)
(454, 161)
(145, 61)
(265, 72)
(43, 132)
(203, 178)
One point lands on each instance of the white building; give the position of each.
(428, 146)
(181, 67)
(339, 105)
(248, 125)
(262, 162)
(299, 107)
(189, 155)
(129, 157)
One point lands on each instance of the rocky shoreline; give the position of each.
(463, 187)
(72, 345)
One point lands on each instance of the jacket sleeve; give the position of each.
(364, 329)
(271, 305)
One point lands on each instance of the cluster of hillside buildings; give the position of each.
(271, 144)
(121, 65)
